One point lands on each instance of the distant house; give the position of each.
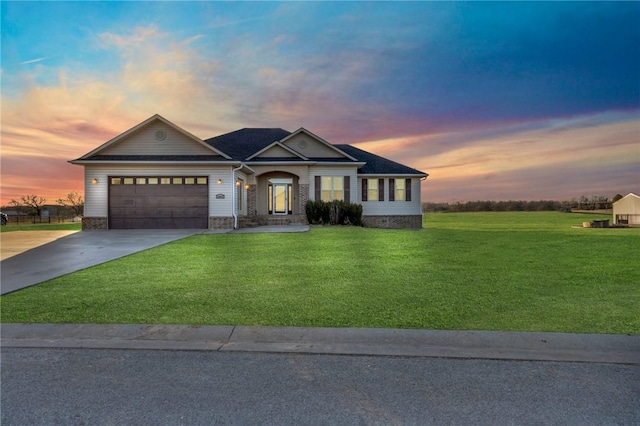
(158, 175)
(626, 211)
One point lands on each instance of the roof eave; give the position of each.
(84, 162)
(395, 174)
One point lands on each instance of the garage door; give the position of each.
(176, 202)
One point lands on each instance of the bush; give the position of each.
(333, 213)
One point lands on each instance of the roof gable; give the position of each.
(154, 136)
(313, 146)
(277, 150)
(627, 198)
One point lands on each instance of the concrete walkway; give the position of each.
(532, 346)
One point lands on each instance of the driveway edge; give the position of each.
(499, 345)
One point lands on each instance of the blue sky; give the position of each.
(494, 100)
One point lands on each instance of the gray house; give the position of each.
(157, 175)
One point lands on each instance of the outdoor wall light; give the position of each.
(247, 186)
(94, 181)
(238, 183)
(219, 181)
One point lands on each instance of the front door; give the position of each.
(280, 196)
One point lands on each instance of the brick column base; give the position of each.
(95, 223)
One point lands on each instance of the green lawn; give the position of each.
(474, 271)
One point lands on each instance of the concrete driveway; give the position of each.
(31, 259)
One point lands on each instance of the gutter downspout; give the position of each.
(234, 213)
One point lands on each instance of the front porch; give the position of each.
(277, 198)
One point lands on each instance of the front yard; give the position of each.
(475, 271)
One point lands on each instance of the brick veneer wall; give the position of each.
(251, 200)
(393, 221)
(94, 223)
(220, 222)
(303, 197)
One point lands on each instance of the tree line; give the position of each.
(33, 205)
(595, 202)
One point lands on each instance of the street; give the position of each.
(116, 387)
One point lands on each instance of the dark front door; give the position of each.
(176, 202)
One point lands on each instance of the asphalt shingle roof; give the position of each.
(245, 142)
(376, 164)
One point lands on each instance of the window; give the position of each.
(189, 181)
(399, 189)
(332, 188)
(116, 181)
(372, 189)
(165, 181)
(372, 192)
(128, 181)
(141, 181)
(153, 181)
(177, 181)
(201, 181)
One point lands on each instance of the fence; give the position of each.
(17, 220)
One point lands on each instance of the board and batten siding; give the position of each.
(144, 142)
(350, 171)
(97, 195)
(386, 207)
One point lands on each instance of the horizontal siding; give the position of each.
(627, 205)
(382, 208)
(143, 142)
(277, 152)
(97, 195)
(334, 171)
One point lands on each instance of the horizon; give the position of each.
(495, 101)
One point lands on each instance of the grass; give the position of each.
(42, 227)
(474, 271)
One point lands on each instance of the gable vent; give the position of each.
(161, 135)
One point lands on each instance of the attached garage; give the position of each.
(150, 202)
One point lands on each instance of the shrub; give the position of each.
(333, 213)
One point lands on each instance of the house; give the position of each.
(158, 175)
(626, 211)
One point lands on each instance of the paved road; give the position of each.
(97, 386)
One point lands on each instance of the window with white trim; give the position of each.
(332, 188)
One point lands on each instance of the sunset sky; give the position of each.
(496, 101)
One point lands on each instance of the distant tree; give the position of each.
(617, 197)
(31, 204)
(74, 201)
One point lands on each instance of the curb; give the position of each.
(498, 345)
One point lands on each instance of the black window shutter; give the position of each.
(392, 189)
(318, 196)
(407, 189)
(347, 189)
(380, 189)
(364, 189)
